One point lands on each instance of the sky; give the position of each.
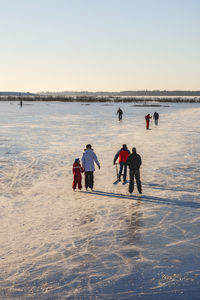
(99, 45)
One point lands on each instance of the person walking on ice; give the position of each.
(134, 162)
(156, 117)
(120, 113)
(77, 177)
(123, 154)
(147, 118)
(88, 159)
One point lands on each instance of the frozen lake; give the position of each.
(60, 244)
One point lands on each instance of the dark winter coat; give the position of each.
(120, 112)
(156, 116)
(134, 161)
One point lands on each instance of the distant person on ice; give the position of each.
(120, 113)
(88, 159)
(77, 177)
(123, 154)
(147, 118)
(156, 117)
(134, 162)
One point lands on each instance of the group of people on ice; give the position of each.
(126, 159)
(147, 117)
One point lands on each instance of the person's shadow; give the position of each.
(145, 198)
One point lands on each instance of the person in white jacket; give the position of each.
(88, 159)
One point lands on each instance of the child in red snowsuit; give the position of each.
(147, 118)
(77, 177)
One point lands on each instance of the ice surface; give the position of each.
(60, 244)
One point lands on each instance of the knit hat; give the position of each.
(77, 160)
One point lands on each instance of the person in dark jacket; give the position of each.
(156, 117)
(120, 113)
(123, 154)
(134, 162)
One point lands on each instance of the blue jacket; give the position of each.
(88, 159)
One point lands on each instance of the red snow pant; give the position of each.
(147, 124)
(77, 180)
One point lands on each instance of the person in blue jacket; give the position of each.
(88, 160)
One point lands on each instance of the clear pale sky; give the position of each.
(99, 45)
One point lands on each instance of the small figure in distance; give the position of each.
(77, 177)
(21, 103)
(88, 159)
(147, 118)
(120, 113)
(134, 162)
(156, 117)
(123, 154)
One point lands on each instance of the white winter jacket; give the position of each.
(88, 159)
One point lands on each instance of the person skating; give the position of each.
(156, 117)
(147, 118)
(134, 162)
(88, 159)
(123, 154)
(120, 113)
(77, 177)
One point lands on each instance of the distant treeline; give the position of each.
(160, 93)
(102, 99)
(16, 94)
(140, 93)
